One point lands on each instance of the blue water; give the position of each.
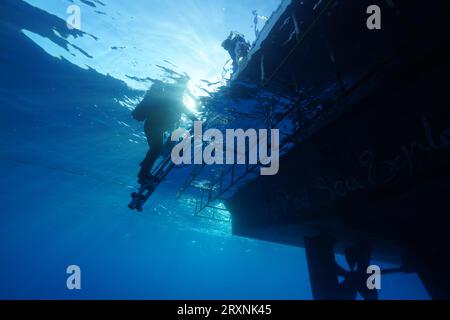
(69, 155)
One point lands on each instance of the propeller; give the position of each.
(355, 279)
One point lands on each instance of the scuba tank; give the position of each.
(161, 98)
(151, 98)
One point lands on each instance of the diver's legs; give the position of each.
(155, 141)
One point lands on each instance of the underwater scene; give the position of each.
(205, 150)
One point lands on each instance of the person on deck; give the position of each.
(237, 47)
(161, 111)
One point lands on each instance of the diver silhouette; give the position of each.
(161, 111)
(237, 47)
